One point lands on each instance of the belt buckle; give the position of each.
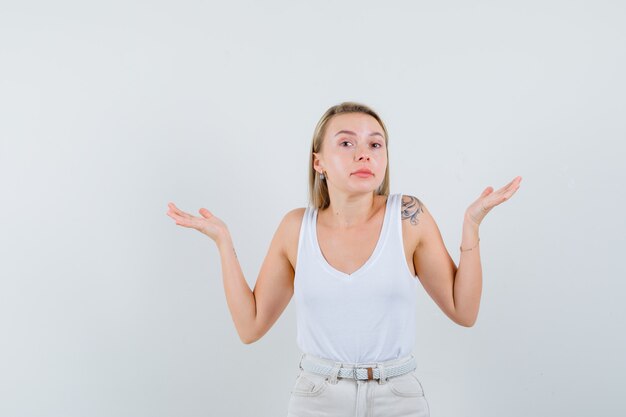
(370, 373)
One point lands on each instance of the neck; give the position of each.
(346, 211)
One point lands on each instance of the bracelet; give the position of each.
(465, 250)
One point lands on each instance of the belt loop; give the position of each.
(332, 378)
(300, 364)
(382, 379)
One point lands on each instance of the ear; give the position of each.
(317, 163)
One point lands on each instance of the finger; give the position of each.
(179, 212)
(486, 191)
(514, 183)
(205, 213)
(173, 207)
(176, 217)
(514, 187)
(510, 193)
(495, 199)
(506, 188)
(183, 222)
(504, 196)
(185, 218)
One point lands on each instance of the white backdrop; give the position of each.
(110, 110)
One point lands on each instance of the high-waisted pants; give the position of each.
(315, 395)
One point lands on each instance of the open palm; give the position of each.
(489, 199)
(208, 224)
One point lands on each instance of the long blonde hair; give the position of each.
(318, 189)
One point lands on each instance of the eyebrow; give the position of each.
(352, 133)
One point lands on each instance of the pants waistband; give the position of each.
(365, 371)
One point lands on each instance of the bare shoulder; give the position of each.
(293, 219)
(412, 207)
(412, 214)
(417, 221)
(289, 231)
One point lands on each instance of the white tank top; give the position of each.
(367, 316)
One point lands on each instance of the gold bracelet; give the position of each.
(465, 250)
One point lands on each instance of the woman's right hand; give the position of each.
(208, 224)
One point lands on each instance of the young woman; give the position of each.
(353, 259)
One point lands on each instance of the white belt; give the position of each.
(359, 372)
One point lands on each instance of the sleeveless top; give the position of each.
(363, 317)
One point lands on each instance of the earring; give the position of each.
(322, 176)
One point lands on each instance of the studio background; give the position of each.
(109, 110)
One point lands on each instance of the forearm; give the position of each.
(239, 296)
(468, 278)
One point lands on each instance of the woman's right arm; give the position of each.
(253, 312)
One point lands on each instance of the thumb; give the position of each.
(487, 191)
(205, 213)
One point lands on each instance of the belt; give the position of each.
(357, 372)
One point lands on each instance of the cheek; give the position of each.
(338, 160)
(381, 160)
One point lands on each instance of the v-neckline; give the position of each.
(372, 257)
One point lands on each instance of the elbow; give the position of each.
(248, 333)
(467, 323)
(248, 339)
(464, 321)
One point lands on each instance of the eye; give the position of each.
(378, 145)
(345, 141)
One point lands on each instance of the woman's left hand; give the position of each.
(477, 211)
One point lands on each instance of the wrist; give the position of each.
(223, 239)
(469, 222)
(470, 238)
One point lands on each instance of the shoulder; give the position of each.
(289, 231)
(417, 220)
(412, 215)
(411, 209)
(293, 218)
(290, 223)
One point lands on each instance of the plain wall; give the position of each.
(109, 110)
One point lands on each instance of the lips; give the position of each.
(363, 172)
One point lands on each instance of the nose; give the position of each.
(361, 154)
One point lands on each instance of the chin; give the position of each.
(369, 189)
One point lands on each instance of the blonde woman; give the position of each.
(353, 259)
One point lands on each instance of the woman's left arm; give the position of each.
(468, 277)
(457, 291)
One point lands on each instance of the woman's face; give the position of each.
(353, 142)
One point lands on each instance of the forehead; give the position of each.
(359, 123)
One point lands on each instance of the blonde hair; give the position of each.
(318, 189)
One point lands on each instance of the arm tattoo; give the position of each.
(411, 208)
